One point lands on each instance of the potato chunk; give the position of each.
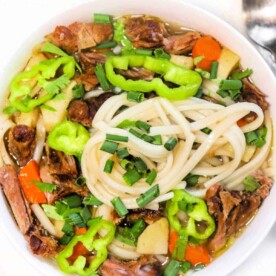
(154, 239)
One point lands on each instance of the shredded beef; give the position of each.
(136, 73)
(149, 216)
(78, 36)
(233, 210)
(88, 60)
(42, 245)
(181, 44)
(89, 80)
(145, 32)
(21, 144)
(250, 93)
(145, 266)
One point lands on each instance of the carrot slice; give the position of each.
(80, 231)
(208, 47)
(79, 250)
(173, 241)
(27, 174)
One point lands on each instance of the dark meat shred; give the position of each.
(149, 216)
(88, 60)
(181, 44)
(250, 93)
(233, 210)
(21, 144)
(89, 80)
(145, 32)
(42, 245)
(136, 73)
(145, 266)
(78, 36)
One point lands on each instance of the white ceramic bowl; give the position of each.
(189, 16)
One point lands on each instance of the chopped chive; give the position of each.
(257, 137)
(75, 218)
(85, 214)
(139, 164)
(199, 93)
(206, 130)
(250, 183)
(119, 206)
(124, 239)
(138, 228)
(160, 53)
(180, 247)
(131, 177)
(198, 59)
(203, 73)
(78, 91)
(72, 201)
(234, 94)
(106, 45)
(135, 133)
(151, 176)
(143, 52)
(102, 18)
(191, 180)
(108, 166)
(170, 144)
(157, 140)
(109, 146)
(66, 239)
(91, 200)
(223, 93)
(137, 97)
(145, 198)
(122, 153)
(172, 268)
(116, 137)
(147, 138)
(126, 124)
(143, 126)
(214, 70)
(100, 73)
(230, 84)
(80, 181)
(45, 187)
(67, 228)
(238, 75)
(126, 164)
(198, 267)
(185, 266)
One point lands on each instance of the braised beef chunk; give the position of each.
(12, 190)
(250, 93)
(83, 111)
(89, 80)
(234, 209)
(21, 144)
(145, 32)
(78, 36)
(145, 266)
(43, 245)
(90, 59)
(181, 44)
(136, 73)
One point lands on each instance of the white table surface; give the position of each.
(17, 20)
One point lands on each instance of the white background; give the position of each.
(18, 18)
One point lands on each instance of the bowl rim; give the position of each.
(13, 63)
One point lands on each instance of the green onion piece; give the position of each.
(180, 247)
(51, 211)
(157, 140)
(48, 47)
(143, 126)
(102, 18)
(91, 200)
(122, 153)
(119, 206)
(108, 166)
(172, 268)
(250, 183)
(234, 94)
(257, 137)
(198, 267)
(106, 45)
(109, 146)
(203, 73)
(151, 176)
(45, 187)
(126, 124)
(230, 84)
(61, 208)
(67, 228)
(116, 137)
(78, 91)
(126, 164)
(238, 75)
(147, 138)
(185, 266)
(214, 70)
(199, 93)
(223, 93)
(80, 181)
(72, 201)
(138, 228)
(206, 130)
(145, 198)
(100, 73)
(131, 177)
(198, 59)
(135, 133)
(85, 214)
(137, 97)
(126, 240)
(170, 144)
(191, 180)
(160, 53)
(75, 219)
(139, 164)
(66, 239)
(143, 52)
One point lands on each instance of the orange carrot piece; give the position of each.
(197, 254)
(27, 174)
(80, 231)
(173, 241)
(79, 250)
(208, 47)
(242, 122)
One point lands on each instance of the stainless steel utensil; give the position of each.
(260, 21)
